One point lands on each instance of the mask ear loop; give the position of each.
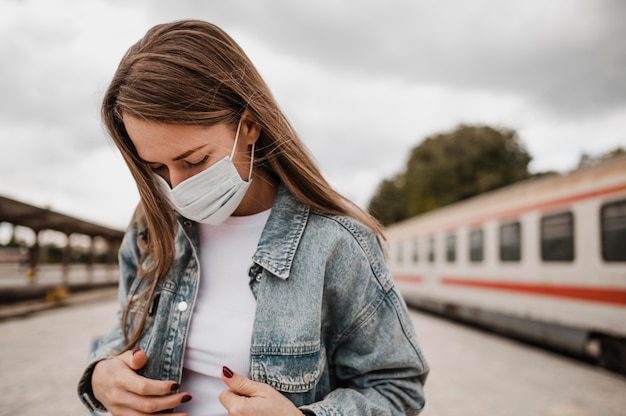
(251, 163)
(232, 153)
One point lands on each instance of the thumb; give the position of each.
(135, 359)
(239, 384)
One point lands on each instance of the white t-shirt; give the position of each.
(221, 324)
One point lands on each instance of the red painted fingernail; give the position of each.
(135, 351)
(227, 372)
(175, 387)
(185, 398)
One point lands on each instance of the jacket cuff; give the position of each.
(85, 391)
(315, 409)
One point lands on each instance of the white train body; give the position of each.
(563, 241)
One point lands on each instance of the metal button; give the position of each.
(187, 223)
(182, 306)
(307, 378)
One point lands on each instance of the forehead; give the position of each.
(156, 142)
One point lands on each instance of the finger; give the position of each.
(247, 397)
(152, 404)
(134, 359)
(124, 392)
(131, 381)
(138, 359)
(241, 385)
(137, 393)
(143, 386)
(233, 402)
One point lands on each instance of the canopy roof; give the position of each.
(36, 218)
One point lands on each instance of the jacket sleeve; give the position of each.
(112, 343)
(378, 364)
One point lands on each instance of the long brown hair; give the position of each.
(191, 72)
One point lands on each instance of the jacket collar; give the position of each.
(281, 235)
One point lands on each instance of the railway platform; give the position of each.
(22, 293)
(473, 373)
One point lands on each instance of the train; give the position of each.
(542, 260)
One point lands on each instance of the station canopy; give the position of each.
(36, 218)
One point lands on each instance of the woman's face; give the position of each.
(177, 152)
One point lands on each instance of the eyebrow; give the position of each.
(188, 153)
(179, 157)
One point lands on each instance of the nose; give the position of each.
(176, 176)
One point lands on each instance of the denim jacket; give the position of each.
(331, 332)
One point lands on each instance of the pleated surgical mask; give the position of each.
(212, 195)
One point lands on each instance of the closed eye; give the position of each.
(156, 168)
(197, 164)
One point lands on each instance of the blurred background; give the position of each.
(391, 97)
(363, 83)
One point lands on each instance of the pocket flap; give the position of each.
(288, 371)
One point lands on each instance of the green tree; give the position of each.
(586, 160)
(388, 204)
(450, 167)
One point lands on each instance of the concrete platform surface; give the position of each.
(473, 373)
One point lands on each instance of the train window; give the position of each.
(431, 250)
(399, 256)
(557, 237)
(476, 244)
(613, 223)
(511, 242)
(416, 247)
(451, 248)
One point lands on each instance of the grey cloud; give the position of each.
(48, 105)
(567, 55)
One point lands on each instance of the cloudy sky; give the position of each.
(362, 81)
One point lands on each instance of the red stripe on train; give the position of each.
(605, 295)
(542, 206)
(595, 294)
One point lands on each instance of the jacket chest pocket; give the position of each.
(288, 369)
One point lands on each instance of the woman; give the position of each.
(248, 286)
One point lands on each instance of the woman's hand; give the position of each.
(123, 392)
(249, 398)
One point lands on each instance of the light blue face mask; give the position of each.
(212, 195)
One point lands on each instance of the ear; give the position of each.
(250, 129)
